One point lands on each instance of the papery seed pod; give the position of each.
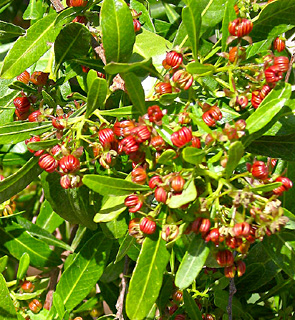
(136, 25)
(225, 258)
(242, 229)
(265, 90)
(35, 305)
(286, 185)
(80, 19)
(177, 183)
(27, 286)
(32, 139)
(259, 170)
(155, 114)
(69, 164)
(163, 87)
(169, 232)
(240, 125)
(39, 78)
(173, 59)
(230, 271)
(196, 142)
(181, 137)
(141, 133)
(76, 3)
(177, 296)
(279, 44)
(35, 116)
(213, 236)
(240, 27)
(48, 163)
(161, 194)
(56, 123)
(183, 79)
(24, 77)
(147, 225)
(273, 74)
(158, 143)
(205, 226)
(133, 202)
(281, 63)
(242, 101)
(106, 137)
(22, 104)
(138, 175)
(123, 128)
(128, 145)
(241, 267)
(256, 99)
(233, 242)
(155, 181)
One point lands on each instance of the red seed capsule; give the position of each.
(205, 226)
(259, 170)
(128, 145)
(242, 229)
(138, 175)
(241, 267)
(177, 296)
(27, 286)
(22, 104)
(155, 181)
(76, 3)
(136, 25)
(225, 258)
(279, 44)
(183, 79)
(80, 19)
(265, 91)
(123, 128)
(106, 137)
(286, 185)
(240, 27)
(158, 143)
(173, 59)
(181, 137)
(39, 78)
(273, 74)
(177, 183)
(230, 271)
(155, 114)
(281, 63)
(35, 306)
(56, 123)
(256, 99)
(163, 87)
(69, 164)
(161, 194)
(48, 163)
(35, 116)
(133, 202)
(24, 77)
(141, 133)
(147, 225)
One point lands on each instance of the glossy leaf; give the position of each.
(166, 156)
(47, 219)
(124, 247)
(48, 99)
(191, 307)
(72, 205)
(115, 228)
(3, 263)
(266, 187)
(7, 310)
(23, 266)
(192, 263)
(144, 18)
(96, 96)
(189, 194)
(72, 42)
(193, 155)
(147, 278)
(34, 10)
(117, 30)
(42, 145)
(19, 131)
(199, 69)
(17, 241)
(29, 48)
(91, 76)
(16, 182)
(110, 209)
(111, 186)
(235, 154)
(191, 17)
(86, 269)
(119, 112)
(9, 30)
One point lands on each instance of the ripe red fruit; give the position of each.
(259, 170)
(211, 116)
(27, 286)
(155, 181)
(196, 142)
(233, 242)
(133, 226)
(158, 143)
(286, 185)
(273, 74)
(225, 258)
(181, 137)
(155, 114)
(128, 145)
(106, 137)
(256, 99)
(22, 104)
(241, 267)
(279, 44)
(123, 128)
(24, 77)
(183, 79)
(147, 225)
(141, 133)
(136, 25)
(35, 116)
(281, 63)
(205, 226)
(48, 163)
(242, 229)
(35, 305)
(173, 60)
(265, 91)
(138, 175)
(161, 194)
(76, 3)
(57, 123)
(240, 27)
(230, 271)
(163, 87)
(39, 78)
(177, 183)
(213, 236)
(69, 164)
(133, 202)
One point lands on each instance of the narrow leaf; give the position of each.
(47, 219)
(188, 194)
(9, 30)
(7, 310)
(3, 263)
(235, 154)
(191, 307)
(193, 155)
(111, 209)
(147, 278)
(23, 266)
(229, 15)
(200, 69)
(96, 96)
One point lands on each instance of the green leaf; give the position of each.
(199, 69)
(188, 194)
(7, 310)
(20, 131)
(191, 18)
(9, 30)
(42, 145)
(111, 186)
(3, 263)
(191, 307)
(71, 204)
(111, 209)
(119, 112)
(31, 47)
(17, 241)
(47, 219)
(144, 18)
(86, 269)
(192, 263)
(58, 305)
(193, 155)
(235, 154)
(24, 263)
(229, 15)
(166, 156)
(117, 30)
(147, 278)
(96, 96)
(72, 42)
(18, 85)
(115, 228)
(18, 181)
(124, 247)
(266, 187)
(267, 110)
(135, 91)
(274, 14)
(48, 99)
(212, 14)
(34, 10)
(91, 76)
(140, 68)
(281, 248)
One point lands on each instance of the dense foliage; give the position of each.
(147, 151)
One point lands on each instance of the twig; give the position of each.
(120, 301)
(290, 67)
(57, 5)
(54, 274)
(232, 291)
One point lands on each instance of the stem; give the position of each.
(57, 5)
(232, 291)
(120, 301)
(290, 68)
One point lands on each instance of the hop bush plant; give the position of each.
(147, 160)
